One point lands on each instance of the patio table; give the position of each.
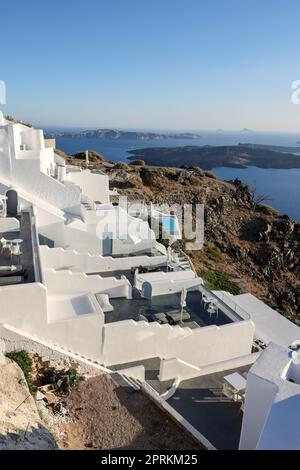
(237, 381)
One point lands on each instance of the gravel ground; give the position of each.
(105, 416)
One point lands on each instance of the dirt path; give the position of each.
(105, 416)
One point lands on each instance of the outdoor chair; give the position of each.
(4, 243)
(205, 300)
(6, 251)
(212, 310)
(15, 251)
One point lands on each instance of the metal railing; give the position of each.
(226, 304)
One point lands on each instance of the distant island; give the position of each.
(117, 134)
(276, 148)
(209, 156)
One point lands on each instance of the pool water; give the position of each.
(168, 224)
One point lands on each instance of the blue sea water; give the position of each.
(281, 186)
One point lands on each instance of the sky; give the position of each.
(152, 64)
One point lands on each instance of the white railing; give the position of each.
(229, 306)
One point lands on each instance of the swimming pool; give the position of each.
(169, 224)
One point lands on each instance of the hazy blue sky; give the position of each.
(185, 64)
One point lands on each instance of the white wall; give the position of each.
(259, 398)
(24, 307)
(50, 226)
(4, 151)
(78, 237)
(66, 282)
(173, 286)
(131, 341)
(174, 368)
(58, 258)
(27, 169)
(94, 185)
(26, 174)
(83, 238)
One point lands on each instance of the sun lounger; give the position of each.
(8, 280)
(11, 270)
(160, 318)
(191, 324)
(178, 316)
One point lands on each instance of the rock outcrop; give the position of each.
(20, 425)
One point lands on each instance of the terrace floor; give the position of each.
(151, 366)
(201, 402)
(26, 258)
(130, 309)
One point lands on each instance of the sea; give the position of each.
(282, 187)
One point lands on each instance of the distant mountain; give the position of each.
(246, 130)
(117, 134)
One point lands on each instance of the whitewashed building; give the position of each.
(272, 406)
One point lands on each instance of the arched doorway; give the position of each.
(12, 202)
(146, 290)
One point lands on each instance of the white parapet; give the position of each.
(129, 341)
(59, 258)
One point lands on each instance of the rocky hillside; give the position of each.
(248, 247)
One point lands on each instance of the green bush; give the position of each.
(138, 163)
(24, 361)
(213, 253)
(210, 174)
(74, 377)
(216, 280)
(268, 210)
(198, 170)
(121, 166)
